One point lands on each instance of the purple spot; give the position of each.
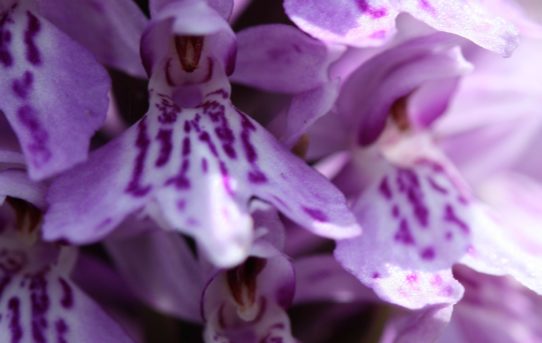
(257, 177)
(428, 253)
(34, 26)
(5, 39)
(247, 127)
(451, 217)
(204, 165)
(164, 137)
(181, 204)
(21, 87)
(187, 127)
(316, 214)
(436, 186)
(206, 138)
(403, 234)
(180, 181)
(169, 111)
(39, 306)
(395, 211)
(449, 236)
(225, 178)
(38, 147)
(426, 6)
(408, 182)
(380, 34)
(412, 278)
(373, 12)
(61, 330)
(67, 294)
(384, 188)
(15, 320)
(376, 275)
(186, 147)
(142, 145)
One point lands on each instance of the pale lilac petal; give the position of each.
(280, 58)
(425, 325)
(321, 278)
(223, 7)
(54, 92)
(369, 93)
(509, 242)
(15, 183)
(162, 271)
(304, 110)
(201, 166)
(372, 22)
(417, 224)
(111, 30)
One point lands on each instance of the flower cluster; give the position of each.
(239, 171)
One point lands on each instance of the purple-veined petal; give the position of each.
(247, 303)
(425, 325)
(39, 302)
(201, 166)
(369, 93)
(111, 30)
(54, 91)
(280, 58)
(417, 224)
(372, 22)
(509, 242)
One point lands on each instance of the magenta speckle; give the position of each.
(316, 214)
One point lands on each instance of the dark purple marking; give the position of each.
(67, 294)
(451, 217)
(206, 138)
(246, 128)
(187, 127)
(395, 211)
(436, 186)
(164, 137)
(449, 236)
(169, 111)
(408, 182)
(39, 306)
(204, 165)
(5, 39)
(384, 188)
(38, 147)
(428, 253)
(403, 233)
(257, 177)
(142, 145)
(181, 204)
(34, 26)
(15, 328)
(22, 87)
(316, 214)
(180, 181)
(375, 13)
(225, 178)
(221, 92)
(375, 275)
(61, 331)
(426, 6)
(186, 147)
(217, 114)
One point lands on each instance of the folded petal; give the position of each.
(54, 92)
(280, 58)
(370, 92)
(372, 22)
(111, 30)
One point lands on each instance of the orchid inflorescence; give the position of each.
(242, 171)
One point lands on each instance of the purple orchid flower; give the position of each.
(194, 161)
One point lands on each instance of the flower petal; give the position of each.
(201, 166)
(54, 92)
(111, 30)
(372, 22)
(416, 223)
(280, 58)
(369, 93)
